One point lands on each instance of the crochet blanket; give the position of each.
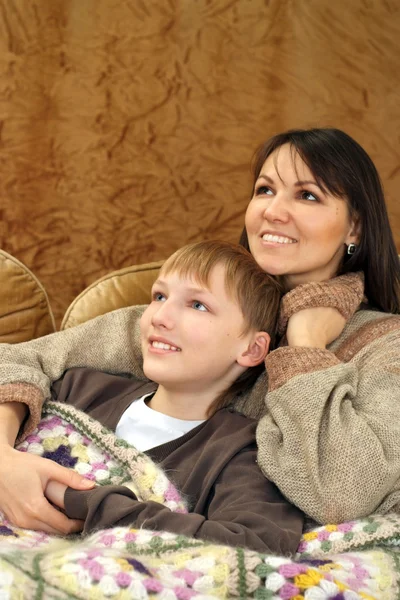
(349, 561)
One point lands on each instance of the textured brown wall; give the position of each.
(127, 127)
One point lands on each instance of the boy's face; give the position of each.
(191, 335)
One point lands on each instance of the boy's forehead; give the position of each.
(187, 280)
(197, 278)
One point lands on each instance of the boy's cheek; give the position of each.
(144, 327)
(142, 321)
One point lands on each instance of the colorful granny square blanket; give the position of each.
(359, 560)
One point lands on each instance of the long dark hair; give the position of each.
(343, 168)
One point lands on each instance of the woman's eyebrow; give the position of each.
(298, 183)
(308, 181)
(266, 177)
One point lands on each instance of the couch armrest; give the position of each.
(125, 287)
(25, 312)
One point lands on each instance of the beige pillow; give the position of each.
(25, 311)
(126, 287)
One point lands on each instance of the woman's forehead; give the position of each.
(286, 160)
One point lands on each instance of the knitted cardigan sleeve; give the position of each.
(330, 439)
(110, 343)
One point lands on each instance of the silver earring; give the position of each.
(351, 248)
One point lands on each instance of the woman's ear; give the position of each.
(354, 231)
(256, 351)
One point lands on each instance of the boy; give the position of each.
(204, 338)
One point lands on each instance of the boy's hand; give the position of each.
(55, 493)
(23, 479)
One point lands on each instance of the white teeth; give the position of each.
(278, 239)
(165, 346)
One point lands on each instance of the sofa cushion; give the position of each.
(25, 311)
(126, 287)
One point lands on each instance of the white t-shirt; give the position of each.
(146, 428)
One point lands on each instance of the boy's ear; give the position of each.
(256, 351)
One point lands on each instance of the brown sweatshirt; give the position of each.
(329, 428)
(213, 466)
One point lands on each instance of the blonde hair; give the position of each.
(256, 293)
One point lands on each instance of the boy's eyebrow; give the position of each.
(158, 282)
(198, 290)
(192, 289)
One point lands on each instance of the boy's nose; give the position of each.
(163, 316)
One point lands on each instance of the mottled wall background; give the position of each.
(127, 127)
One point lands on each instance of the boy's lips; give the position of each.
(157, 343)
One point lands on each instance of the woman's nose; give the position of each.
(277, 209)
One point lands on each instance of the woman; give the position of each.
(330, 423)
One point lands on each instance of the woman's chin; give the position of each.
(273, 267)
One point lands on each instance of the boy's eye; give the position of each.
(199, 306)
(306, 195)
(263, 190)
(158, 297)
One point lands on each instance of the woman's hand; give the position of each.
(314, 314)
(314, 327)
(23, 481)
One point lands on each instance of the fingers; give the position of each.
(53, 521)
(68, 477)
(41, 515)
(55, 492)
(22, 481)
(74, 526)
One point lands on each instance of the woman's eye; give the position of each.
(199, 306)
(306, 195)
(263, 190)
(158, 297)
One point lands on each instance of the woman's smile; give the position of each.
(276, 239)
(295, 228)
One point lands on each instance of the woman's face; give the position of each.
(294, 228)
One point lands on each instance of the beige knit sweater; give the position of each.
(329, 431)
